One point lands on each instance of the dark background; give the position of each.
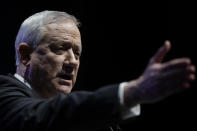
(118, 39)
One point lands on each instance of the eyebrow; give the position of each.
(60, 42)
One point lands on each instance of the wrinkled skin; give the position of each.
(160, 80)
(55, 62)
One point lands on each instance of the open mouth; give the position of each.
(65, 76)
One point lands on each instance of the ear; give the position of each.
(24, 52)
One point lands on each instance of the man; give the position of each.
(48, 48)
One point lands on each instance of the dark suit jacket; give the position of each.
(21, 109)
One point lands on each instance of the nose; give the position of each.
(70, 59)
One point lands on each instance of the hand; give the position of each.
(160, 80)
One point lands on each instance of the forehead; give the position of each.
(62, 32)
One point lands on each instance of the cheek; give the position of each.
(76, 71)
(53, 62)
(49, 63)
(77, 68)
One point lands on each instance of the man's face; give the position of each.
(55, 62)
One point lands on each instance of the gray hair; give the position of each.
(32, 29)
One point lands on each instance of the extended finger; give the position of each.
(178, 75)
(177, 63)
(158, 57)
(185, 69)
(186, 83)
(191, 77)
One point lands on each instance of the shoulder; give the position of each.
(6, 80)
(11, 85)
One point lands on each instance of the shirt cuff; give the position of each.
(126, 112)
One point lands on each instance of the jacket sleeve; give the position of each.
(77, 111)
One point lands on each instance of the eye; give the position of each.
(77, 54)
(59, 47)
(77, 51)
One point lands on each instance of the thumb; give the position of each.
(160, 54)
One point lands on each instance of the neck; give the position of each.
(21, 69)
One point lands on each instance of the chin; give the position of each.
(64, 89)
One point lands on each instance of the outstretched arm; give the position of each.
(159, 80)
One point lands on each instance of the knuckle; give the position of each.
(191, 77)
(191, 68)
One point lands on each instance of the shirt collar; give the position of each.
(20, 78)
